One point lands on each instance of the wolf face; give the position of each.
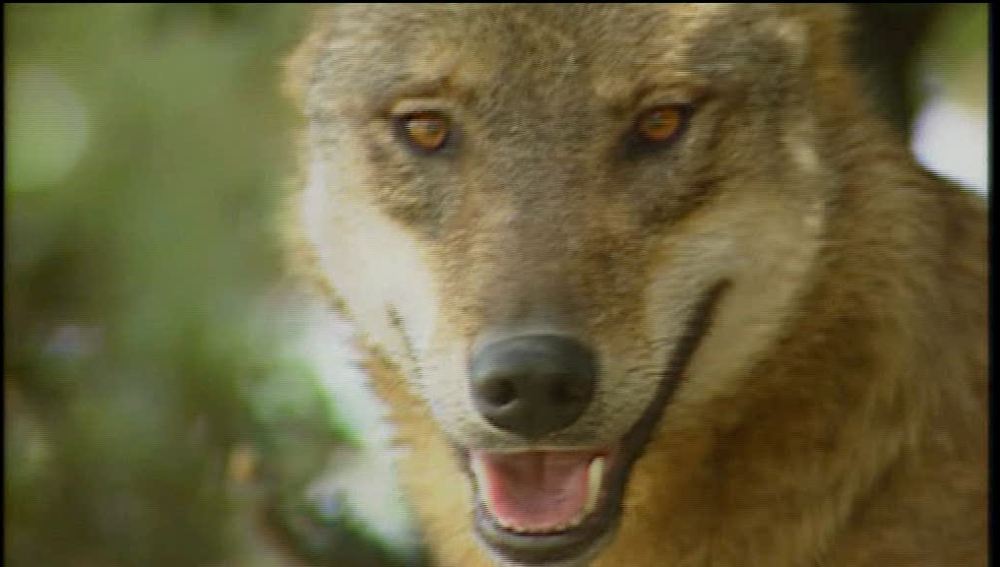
(563, 223)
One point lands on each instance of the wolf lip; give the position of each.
(539, 492)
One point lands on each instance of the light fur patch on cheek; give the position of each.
(693, 265)
(774, 245)
(372, 262)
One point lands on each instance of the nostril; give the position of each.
(500, 392)
(562, 390)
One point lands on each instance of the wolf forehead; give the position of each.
(609, 52)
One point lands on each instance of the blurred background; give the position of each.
(169, 398)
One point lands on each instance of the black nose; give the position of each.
(533, 384)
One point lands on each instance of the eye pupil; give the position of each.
(426, 130)
(659, 124)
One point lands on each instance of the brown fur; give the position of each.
(854, 435)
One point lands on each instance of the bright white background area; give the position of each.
(952, 139)
(949, 132)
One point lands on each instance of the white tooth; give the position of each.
(480, 473)
(595, 475)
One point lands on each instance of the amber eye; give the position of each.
(427, 131)
(660, 124)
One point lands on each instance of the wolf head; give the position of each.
(563, 221)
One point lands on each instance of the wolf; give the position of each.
(647, 285)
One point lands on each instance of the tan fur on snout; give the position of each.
(833, 412)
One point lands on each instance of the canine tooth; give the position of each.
(595, 475)
(480, 474)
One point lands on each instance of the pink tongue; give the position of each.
(536, 491)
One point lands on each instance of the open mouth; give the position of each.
(536, 507)
(551, 506)
(539, 492)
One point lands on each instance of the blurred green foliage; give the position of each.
(146, 148)
(956, 49)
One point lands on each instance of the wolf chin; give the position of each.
(647, 285)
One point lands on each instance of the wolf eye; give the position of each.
(660, 124)
(427, 131)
